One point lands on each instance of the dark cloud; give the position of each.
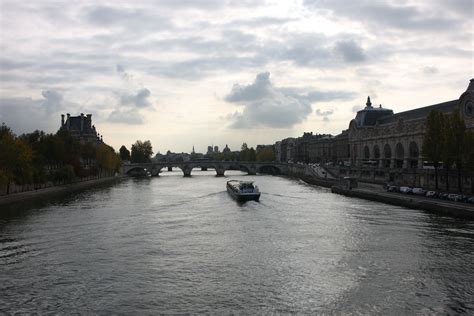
(140, 99)
(26, 114)
(350, 51)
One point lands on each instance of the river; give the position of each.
(181, 245)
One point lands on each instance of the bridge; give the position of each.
(251, 167)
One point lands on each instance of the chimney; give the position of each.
(68, 121)
(89, 121)
(82, 122)
(62, 120)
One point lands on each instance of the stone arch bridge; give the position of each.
(219, 166)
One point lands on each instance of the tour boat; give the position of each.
(243, 190)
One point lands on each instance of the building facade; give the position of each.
(80, 127)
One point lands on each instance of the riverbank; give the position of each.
(47, 192)
(456, 209)
(376, 193)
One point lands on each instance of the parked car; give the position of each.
(406, 190)
(392, 188)
(470, 200)
(432, 194)
(443, 196)
(453, 197)
(418, 191)
(462, 198)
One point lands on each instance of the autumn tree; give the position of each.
(15, 159)
(434, 140)
(266, 154)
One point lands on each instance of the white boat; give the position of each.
(243, 190)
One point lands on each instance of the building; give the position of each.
(381, 138)
(80, 127)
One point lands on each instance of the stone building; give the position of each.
(380, 138)
(80, 127)
(386, 147)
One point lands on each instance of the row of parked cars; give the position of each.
(431, 194)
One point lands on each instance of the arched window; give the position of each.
(387, 151)
(376, 152)
(366, 152)
(413, 150)
(399, 151)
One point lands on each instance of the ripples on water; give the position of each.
(182, 245)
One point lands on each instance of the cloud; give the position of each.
(350, 51)
(53, 101)
(26, 114)
(128, 116)
(265, 105)
(356, 108)
(430, 70)
(376, 14)
(130, 101)
(324, 113)
(139, 99)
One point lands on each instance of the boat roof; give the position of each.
(241, 182)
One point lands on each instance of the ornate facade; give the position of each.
(380, 138)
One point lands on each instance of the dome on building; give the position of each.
(369, 115)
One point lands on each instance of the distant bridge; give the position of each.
(219, 166)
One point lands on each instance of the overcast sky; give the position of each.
(202, 72)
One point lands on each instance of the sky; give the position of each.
(215, 72)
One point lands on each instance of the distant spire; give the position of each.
(193, 149)
(369, 104)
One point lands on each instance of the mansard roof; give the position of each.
(419, 113)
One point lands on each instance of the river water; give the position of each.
(182, 245)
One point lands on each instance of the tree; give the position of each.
(141, 151)
(468, 156)
(252, 155)
(244, 147)
(15, 159)
(124, 153)
(455, 143)
(266, 154)
(434, 140)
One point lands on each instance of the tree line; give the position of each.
(38, 158)
(448, 143)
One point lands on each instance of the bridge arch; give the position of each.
(269, 169)
(137, 171)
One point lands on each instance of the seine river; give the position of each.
(182, 245)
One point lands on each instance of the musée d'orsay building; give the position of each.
(380, 144)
